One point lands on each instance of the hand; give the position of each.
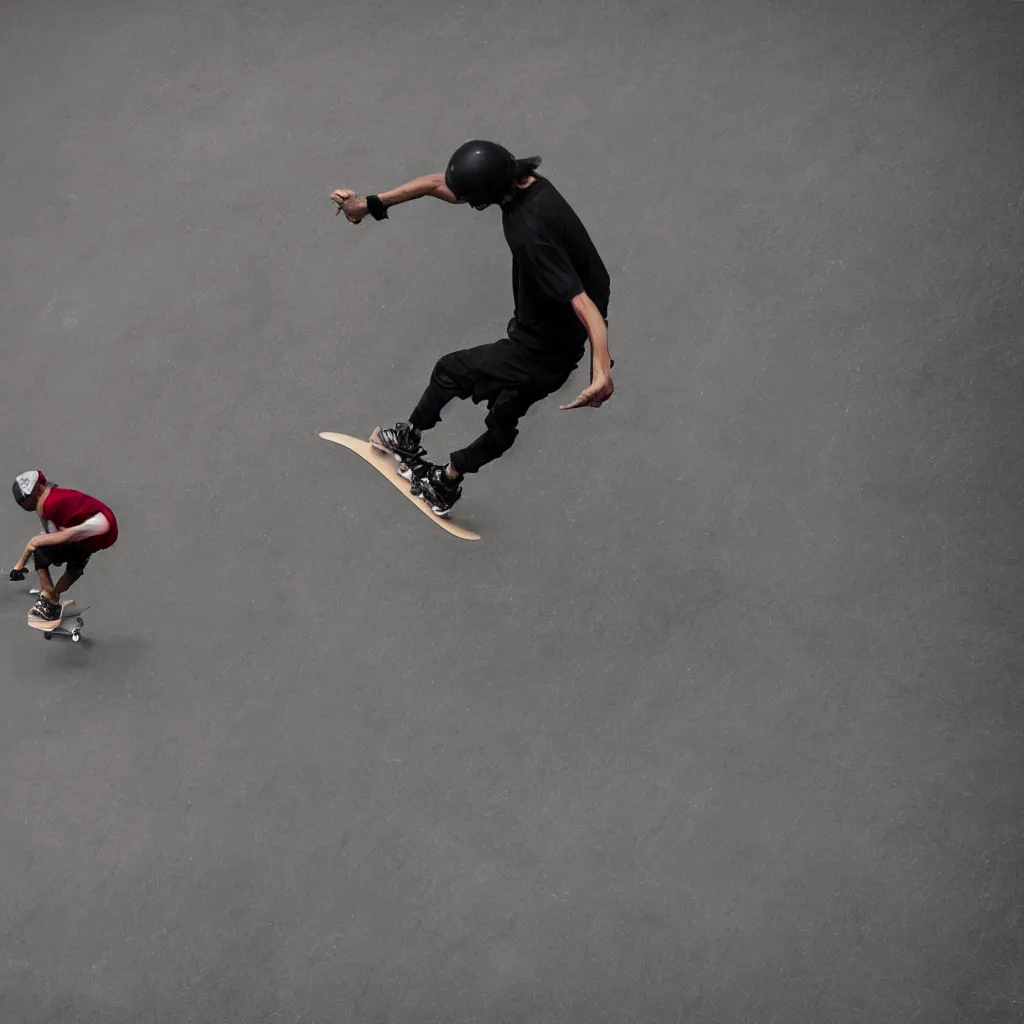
(17, 575)
(353, 206)
(600, 390)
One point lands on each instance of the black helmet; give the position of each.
(480, 173)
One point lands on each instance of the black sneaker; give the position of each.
(414, 467)
(44, 611)
(437, 490)
(401, 440)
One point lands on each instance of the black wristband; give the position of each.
(376, 208)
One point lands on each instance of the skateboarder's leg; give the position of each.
(72, 574)
(48, 605)
(440, 486)
(42, 560)
(46, 584)
(455, 375)
(69, 554)
(502, 430)
(506, 409)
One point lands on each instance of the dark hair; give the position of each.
(526, 166)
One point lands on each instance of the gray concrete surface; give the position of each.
(720, 722)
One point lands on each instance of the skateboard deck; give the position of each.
(387, 466)
(67, 611)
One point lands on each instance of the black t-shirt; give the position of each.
(553, 260)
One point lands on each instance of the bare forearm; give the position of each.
(599, 348)
(356, 207)
(45, 540)
(26, 555)
(427, 185)
(597, 331)
(601, 387)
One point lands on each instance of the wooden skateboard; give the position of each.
(386, 464)
(58, 625)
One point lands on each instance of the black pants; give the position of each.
(73, 554)
(502, 375)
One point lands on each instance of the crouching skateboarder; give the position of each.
(560, 287)
(75, 527)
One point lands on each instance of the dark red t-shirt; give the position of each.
(64, 507)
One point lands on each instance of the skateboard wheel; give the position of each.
(75, 637)
(47, 636)
(80, 622)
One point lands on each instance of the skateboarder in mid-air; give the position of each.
(75, 526)
(561, 290)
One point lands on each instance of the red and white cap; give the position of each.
(25, 484)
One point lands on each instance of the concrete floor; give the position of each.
(721, 721)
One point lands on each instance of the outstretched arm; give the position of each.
(355, 207)
(428, 185)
